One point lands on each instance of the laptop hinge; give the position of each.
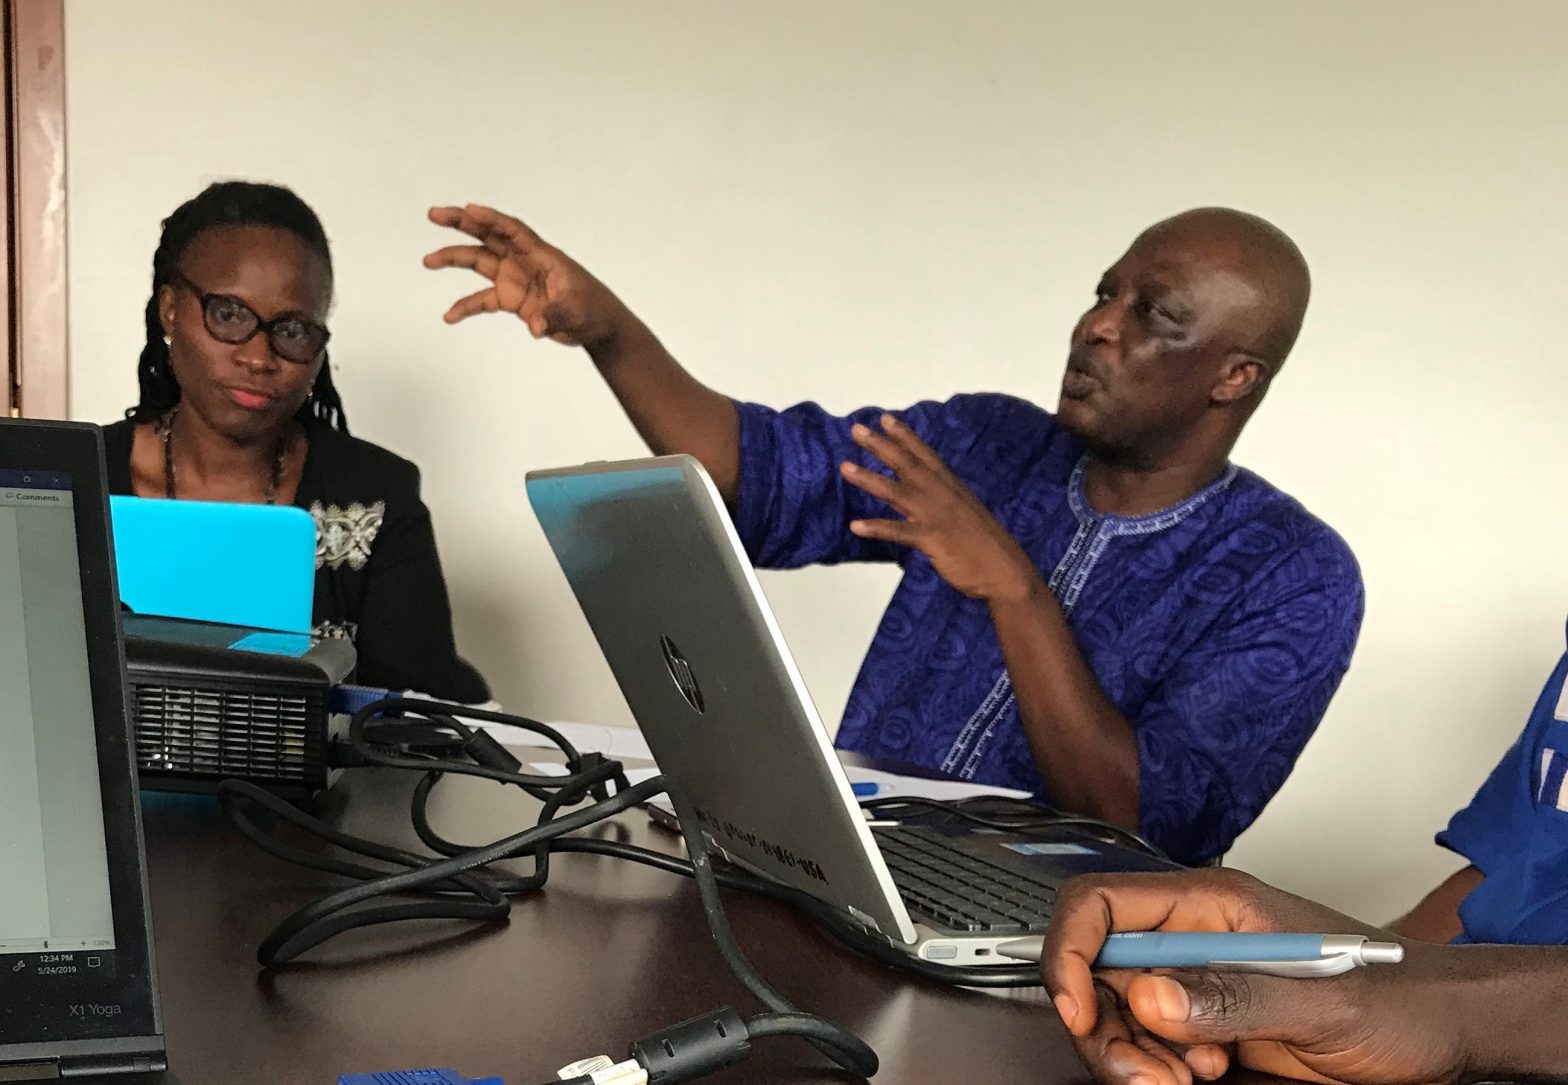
(113, 1064)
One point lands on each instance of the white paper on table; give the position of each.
(893, 786)
(613, 742)
(889, 785)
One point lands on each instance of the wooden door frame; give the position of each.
(34, 282)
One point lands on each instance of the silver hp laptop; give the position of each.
(78, 994)
(653, 558)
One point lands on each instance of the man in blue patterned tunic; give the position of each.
(1096, 605)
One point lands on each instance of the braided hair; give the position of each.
(227, 203)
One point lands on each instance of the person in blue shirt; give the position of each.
(1096, 605)
(1514, 836)
(1470, 1006)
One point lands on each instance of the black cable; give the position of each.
(491, 760)
(320, 920)
(838, 1043)
(780, 1023)
(452, 711)
(464, 871)
(511, 886)
(538, 786)
(230, 791)
(304, 929)
(458, 881)
(843, 930)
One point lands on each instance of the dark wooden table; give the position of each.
(607, 952)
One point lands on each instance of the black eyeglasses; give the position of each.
(230, 320)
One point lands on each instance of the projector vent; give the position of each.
(190, 730)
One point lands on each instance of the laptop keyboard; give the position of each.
(955, 890)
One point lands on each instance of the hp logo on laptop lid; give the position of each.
(681, 671)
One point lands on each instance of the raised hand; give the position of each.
(942, 517)
(529, 278)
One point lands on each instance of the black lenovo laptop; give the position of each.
(78, 990)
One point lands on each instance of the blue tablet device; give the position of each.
(249, 565)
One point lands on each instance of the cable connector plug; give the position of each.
(416, 1077)
(487, 750)
(349, 698)
(679, 1053)
(603, 1070)
(693, 1048)
(586, 761)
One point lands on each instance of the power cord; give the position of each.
(434, 739)
(679, 1053)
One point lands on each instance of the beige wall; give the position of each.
(880, 202)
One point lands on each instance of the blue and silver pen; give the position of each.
(1292, 955)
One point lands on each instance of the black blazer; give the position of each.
(378, 576)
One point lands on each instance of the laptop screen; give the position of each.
(55, 912)
(77, 986)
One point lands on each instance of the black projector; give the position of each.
(216, 702)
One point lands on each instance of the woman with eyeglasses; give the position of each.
(237, 404)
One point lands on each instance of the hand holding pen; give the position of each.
(1382, 1024)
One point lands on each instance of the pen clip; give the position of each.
(1334, 965)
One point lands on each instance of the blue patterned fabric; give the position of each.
(1515, 832)
(1220, 627)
